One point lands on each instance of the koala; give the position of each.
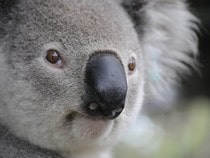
(74, 73)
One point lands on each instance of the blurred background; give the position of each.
(181, 130)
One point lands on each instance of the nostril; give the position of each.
(100, 110)
(116, 111)
(94, 109)
(93, 106)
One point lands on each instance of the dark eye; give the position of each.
(53, 57)
(132, 64)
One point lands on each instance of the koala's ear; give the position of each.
(169, 42)
(135, 8)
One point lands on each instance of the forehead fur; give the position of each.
(69, 16)
(75, 24)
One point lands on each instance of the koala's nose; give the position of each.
(107, 86)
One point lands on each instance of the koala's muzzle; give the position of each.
(106, 85)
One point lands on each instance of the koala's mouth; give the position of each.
(74, 115)
(90, 127)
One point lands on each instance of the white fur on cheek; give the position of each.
(86, 129)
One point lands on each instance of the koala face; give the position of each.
(73, 72)
(73, 76)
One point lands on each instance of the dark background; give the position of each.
(199, 84)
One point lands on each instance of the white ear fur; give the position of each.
(169, 45)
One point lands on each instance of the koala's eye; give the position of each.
(132, 64)
(53, 57)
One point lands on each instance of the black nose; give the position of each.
(107, 86)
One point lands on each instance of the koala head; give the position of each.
(73, 71)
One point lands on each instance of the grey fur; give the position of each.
(13, 147)
(36, 98)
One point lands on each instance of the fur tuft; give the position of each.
(169, 46)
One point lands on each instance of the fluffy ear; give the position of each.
(167, 34)
(135, 9)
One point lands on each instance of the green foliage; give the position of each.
(186, 134)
